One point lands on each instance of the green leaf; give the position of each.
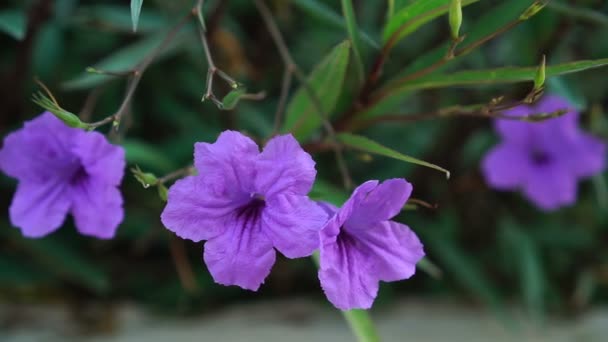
(126, 59)
(325, 191)
(529, 265)
(327, 80)
(323, 13)
(415, 15)
(495, 18)
(497, 76)
(367, 145)
(61, 259)
(12, 22)
(148, 156)
(353, 33)
(135, 11)
(118, 19)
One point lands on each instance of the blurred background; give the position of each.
(500, 268)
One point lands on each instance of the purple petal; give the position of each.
(585, 156)
(242, 255)
(39, 209)
(514, 131)
(550, 187)
(346, 275)
(349, 207)
(284, 167)
(101, 160)
(96, 207)
(506, 166)
(194, 212)
(393, 248)
(382, 203)
(292, 223)
(228, 165)
(46, 138)
(568, 122)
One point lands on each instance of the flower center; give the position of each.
(540, 158)
(250, 213)
(79, 175)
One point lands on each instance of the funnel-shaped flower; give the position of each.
(545, 160)
(360, 246)
(246, 204)
(62, 169)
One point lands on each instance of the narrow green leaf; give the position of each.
(62, 260)
(126, 59)
(327, 80)
(148, 156)
(135, 11)
(368, 145)
(323, 13)
(429, 267)
(353, 33)
(415, 15)
(529, 265)
(12, 22)
(498, 76)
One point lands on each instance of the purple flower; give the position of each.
(545, 160)
(60, 170)
(245, 204)
(360, 246)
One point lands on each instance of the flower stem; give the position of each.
(359, 321)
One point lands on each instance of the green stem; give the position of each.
(359, 321)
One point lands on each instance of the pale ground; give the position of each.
(295, 321)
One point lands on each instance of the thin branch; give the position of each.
(291, 65)
(183, 172)
(489, 111)
(182, 265)
(285, 85)
(138, 72)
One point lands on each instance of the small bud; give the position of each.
(455, 17)
(162, 192)
(144, 178)
(232, 98)
(533, 9)
(50, 105)
(539, 79)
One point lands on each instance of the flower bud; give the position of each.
(455, 17)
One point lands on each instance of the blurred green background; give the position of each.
(492, 248)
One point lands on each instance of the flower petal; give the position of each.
(228, 165)
(551, 187)
(242, 255)
(382, 203)
(39, 209)
(515, 131)
(284, 167)
(194, 212)
(96, 207)
(505, 167)
(345, 272)
(292, 223)
(393, 248)
(39, 152)
(101, 160)
(584, 155)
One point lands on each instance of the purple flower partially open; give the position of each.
(545, 160)
(245, 204)
(62, 169)
(360, 246)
